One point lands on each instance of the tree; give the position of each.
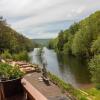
(12, 40)
(80, 37)
(74, 28)
(94, 66)
(60, 41)
(95, 49)
(67, 46)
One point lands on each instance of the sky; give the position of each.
(45, 18)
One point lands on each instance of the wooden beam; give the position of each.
(32, 91)
(2, 96)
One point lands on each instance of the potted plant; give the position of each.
(10, 78)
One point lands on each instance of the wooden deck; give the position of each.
(32, 92)
(44, 91)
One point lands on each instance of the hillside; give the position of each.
(12, 40)
(43, 42)
(82, 40)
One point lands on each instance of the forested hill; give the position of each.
(43, 42)
(81, 39)
(12, 40)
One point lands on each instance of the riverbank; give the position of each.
(73, 93)
(90, 93)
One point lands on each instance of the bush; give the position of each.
(22, 56)
(9, 72)
(6, 55)
(93, 92)
(82, 98)
(98, 86)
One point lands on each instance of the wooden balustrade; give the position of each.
(31, 92)
(2, 97)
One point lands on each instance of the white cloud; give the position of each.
(27, 16)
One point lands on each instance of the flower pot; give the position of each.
(12, 87)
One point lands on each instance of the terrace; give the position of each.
(35, 88)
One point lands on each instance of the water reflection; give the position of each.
(70, 69)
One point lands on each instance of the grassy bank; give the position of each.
(94, 93)
(21, 56)
(67, 88)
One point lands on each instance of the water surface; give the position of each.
(72, 70)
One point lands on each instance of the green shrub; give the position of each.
(94, 92)
(98, 86)
(6, 55)
(22, 56)
(82, 98)
(9, 72)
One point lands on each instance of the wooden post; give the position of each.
(2, 96)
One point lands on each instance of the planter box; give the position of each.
(12, 87)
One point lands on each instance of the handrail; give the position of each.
(32, 91)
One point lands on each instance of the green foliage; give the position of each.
(60, 42)
(6, 55)
(94, 66)
(81, 39)
(98, 86)
(53, 44)
(74, 28)
(81, 43)
(88, 32)
(12, 40)
(67, 87)
(67, 46)
(94, 92)
(8, 72)
(21, 56)
(41, 42)
(95, 49)
(59, 82)
(50, 45)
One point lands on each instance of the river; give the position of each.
(70, 69)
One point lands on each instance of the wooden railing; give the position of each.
(2, 97)
(31, 92)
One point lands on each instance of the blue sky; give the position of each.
(45, 18)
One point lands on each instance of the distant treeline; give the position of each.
(41, 42)
(12, 40)
(82, 39)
